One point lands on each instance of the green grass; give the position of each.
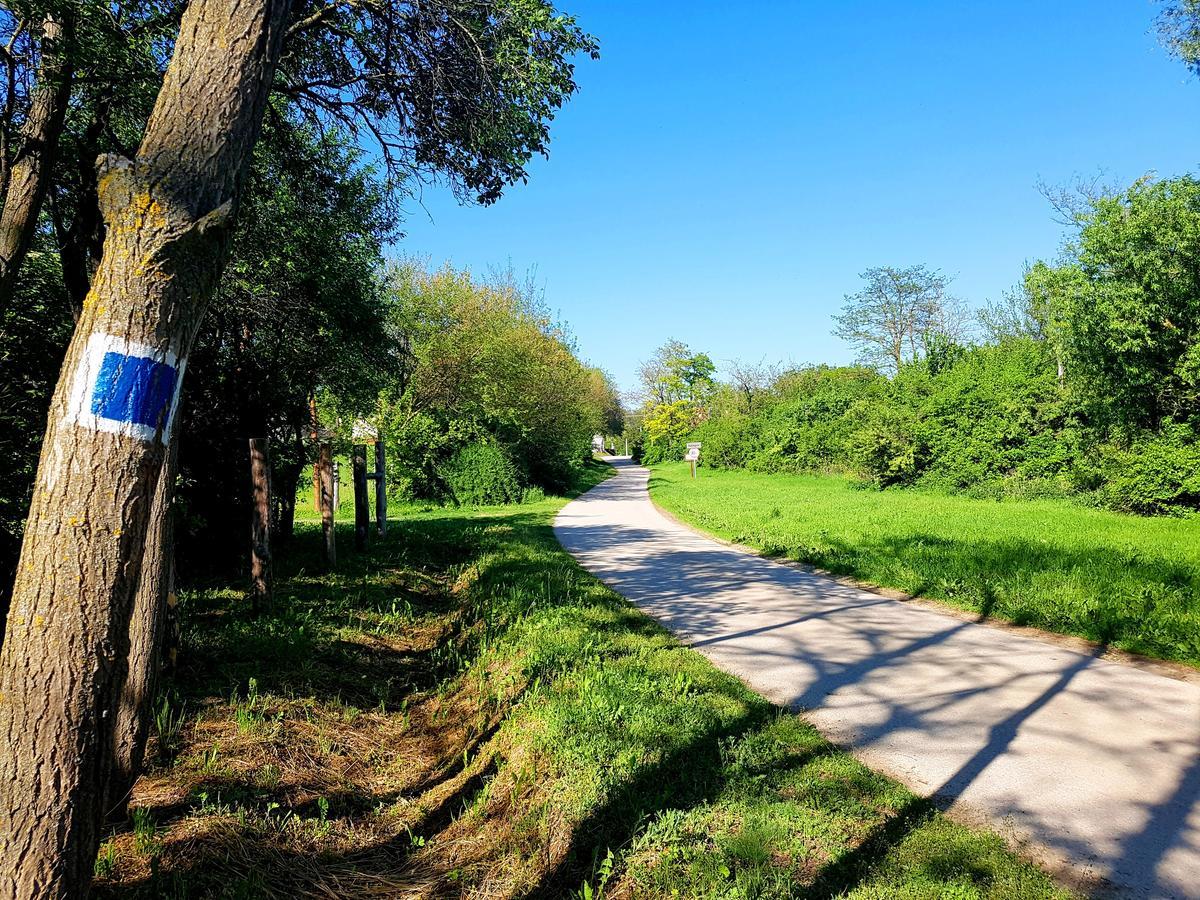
(463, 707)
(1127, 582)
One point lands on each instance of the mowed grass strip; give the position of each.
(463, 711)
(1128, 582)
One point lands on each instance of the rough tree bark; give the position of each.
(380, 486)
(327, 503)
(64, 657)
(29, 176)
(260, 524)
(147, 625)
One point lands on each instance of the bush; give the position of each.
(888, 446)
(1155, 475)
(482, 474)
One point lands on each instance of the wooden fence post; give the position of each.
(260, 524)
(325, 468)
(380, 486)
(314, 433)
(362, 515)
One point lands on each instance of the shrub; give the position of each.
(888, 446)
(1154, 475)
(482, 474)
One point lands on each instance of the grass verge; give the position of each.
(1124, 581)
(462, 711)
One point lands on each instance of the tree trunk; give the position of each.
(380, 486)
(64, 657)
(362, 515)
(328, 506)
(81, 241)
(260, 524)
(146, 628)
(29, 176)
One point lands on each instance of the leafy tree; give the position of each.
(489, 365)
(892, 319)
(667, 426)
(462, 88)
(1179, 26)
(300, 311)
(1129, 299)
(750, 381)
(676, 387)
(34, 331)
(676, 373)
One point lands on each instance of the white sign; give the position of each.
(694, 445)
(692, 455)
(364, 431)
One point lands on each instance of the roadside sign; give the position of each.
(693, 454)
(694, 445)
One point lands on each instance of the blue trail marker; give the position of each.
(125, 388)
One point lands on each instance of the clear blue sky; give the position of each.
(728, 169)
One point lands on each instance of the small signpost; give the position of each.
(693, 455)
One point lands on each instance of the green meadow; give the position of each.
(1125, 581)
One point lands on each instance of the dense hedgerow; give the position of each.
(994, 422)
(1086, 380)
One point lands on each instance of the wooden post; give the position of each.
(314, 433)
(362, 514)
(260, 524)
(380, 487)
(325, 468)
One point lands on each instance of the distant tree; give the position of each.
(488, 364)
(1020, 313)
(675, 373)
(750, 381)
(1179, 27)
(893, 318)
(667, 426)
(1032, 310)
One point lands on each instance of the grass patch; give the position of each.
(462, 711)
(1127, 582)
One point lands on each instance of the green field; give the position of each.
(462, 707)
(1128, 582)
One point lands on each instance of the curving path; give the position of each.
(1097, 763)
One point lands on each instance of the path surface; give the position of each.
(1096, 762)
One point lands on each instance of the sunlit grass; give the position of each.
(463, 711)
(1126, 581)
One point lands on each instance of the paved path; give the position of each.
(1096, 762)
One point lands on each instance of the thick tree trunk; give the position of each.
(146, 628)
(29, 177)
(260, 524)
(64, 657)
